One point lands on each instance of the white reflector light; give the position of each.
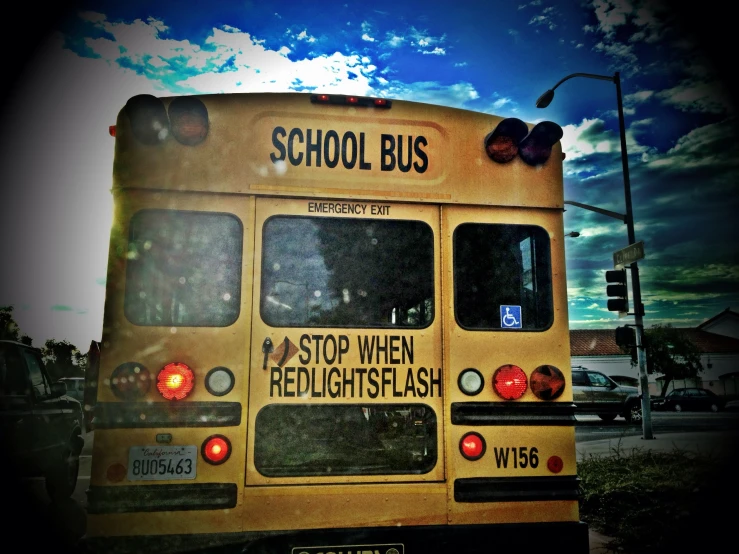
(219, 381)
(471, 382)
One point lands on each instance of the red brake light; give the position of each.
(216, 449)
(547, 382)
(509, 382)
(111, 130)
(472, 446)
(175, 381)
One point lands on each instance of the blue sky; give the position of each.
(495, 57)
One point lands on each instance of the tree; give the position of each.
(670, 352)
(62, 359)
(9, 329)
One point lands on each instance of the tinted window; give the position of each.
(351, 439)
(13, 377)
(502, 277)
(599, 380)
(39, 382)
(331, 272)
(183, 269)
(579, 378)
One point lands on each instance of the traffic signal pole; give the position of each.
(635, 285)
(542, 102)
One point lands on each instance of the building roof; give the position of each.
(602, 342)
(728, 312)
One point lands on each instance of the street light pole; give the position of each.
(543, 102)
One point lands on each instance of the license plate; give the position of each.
(351, 549)
(159, 463)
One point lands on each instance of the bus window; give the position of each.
(502, 265)
(184, 269)
(376, 439)
(331, 272)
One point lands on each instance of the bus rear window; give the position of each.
(347, 439)
(183, 269)
(332, 272)
(502, 277)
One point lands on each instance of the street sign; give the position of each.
(629, 254)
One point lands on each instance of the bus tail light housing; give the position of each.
(471, 381)
(509, 382)
(547, 382)
(472, 446)
(216, 449)
(175, 381)
(130, 381)
(555, 464)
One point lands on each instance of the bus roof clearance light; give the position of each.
(472, 446)
(175, 381)
(509, 382)
(502, 143)
(216, 449)
(188, 118)
(547, 382)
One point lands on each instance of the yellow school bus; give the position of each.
(333, 324)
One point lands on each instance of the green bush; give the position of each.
(654, 502)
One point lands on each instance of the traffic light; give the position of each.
(625, 336)
(618, 291)
(512, 137)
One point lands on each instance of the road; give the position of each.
(590, 428)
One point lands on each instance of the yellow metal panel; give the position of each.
(249, 144)
(334, 506)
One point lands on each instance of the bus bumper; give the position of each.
(521, 538)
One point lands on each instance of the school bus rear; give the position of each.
(332, 324)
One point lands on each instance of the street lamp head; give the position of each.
(573, 234)
(545, 99)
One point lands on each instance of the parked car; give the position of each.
(691, 399)
(596, 393)
(41, 427)
(75, 387)
(732, 406)
(624, 380)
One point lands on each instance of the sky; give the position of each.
(76, 66)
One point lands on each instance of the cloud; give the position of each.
(545, 18)
(694, 96)
(431, 92)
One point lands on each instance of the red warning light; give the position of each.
(111, 130)
(380, 102)
(352, 100)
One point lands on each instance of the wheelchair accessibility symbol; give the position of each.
(510, 317)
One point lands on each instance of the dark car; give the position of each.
(40, 426)
(596, 393)
(75, 387)
(691, 399)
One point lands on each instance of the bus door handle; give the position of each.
(267, 348)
